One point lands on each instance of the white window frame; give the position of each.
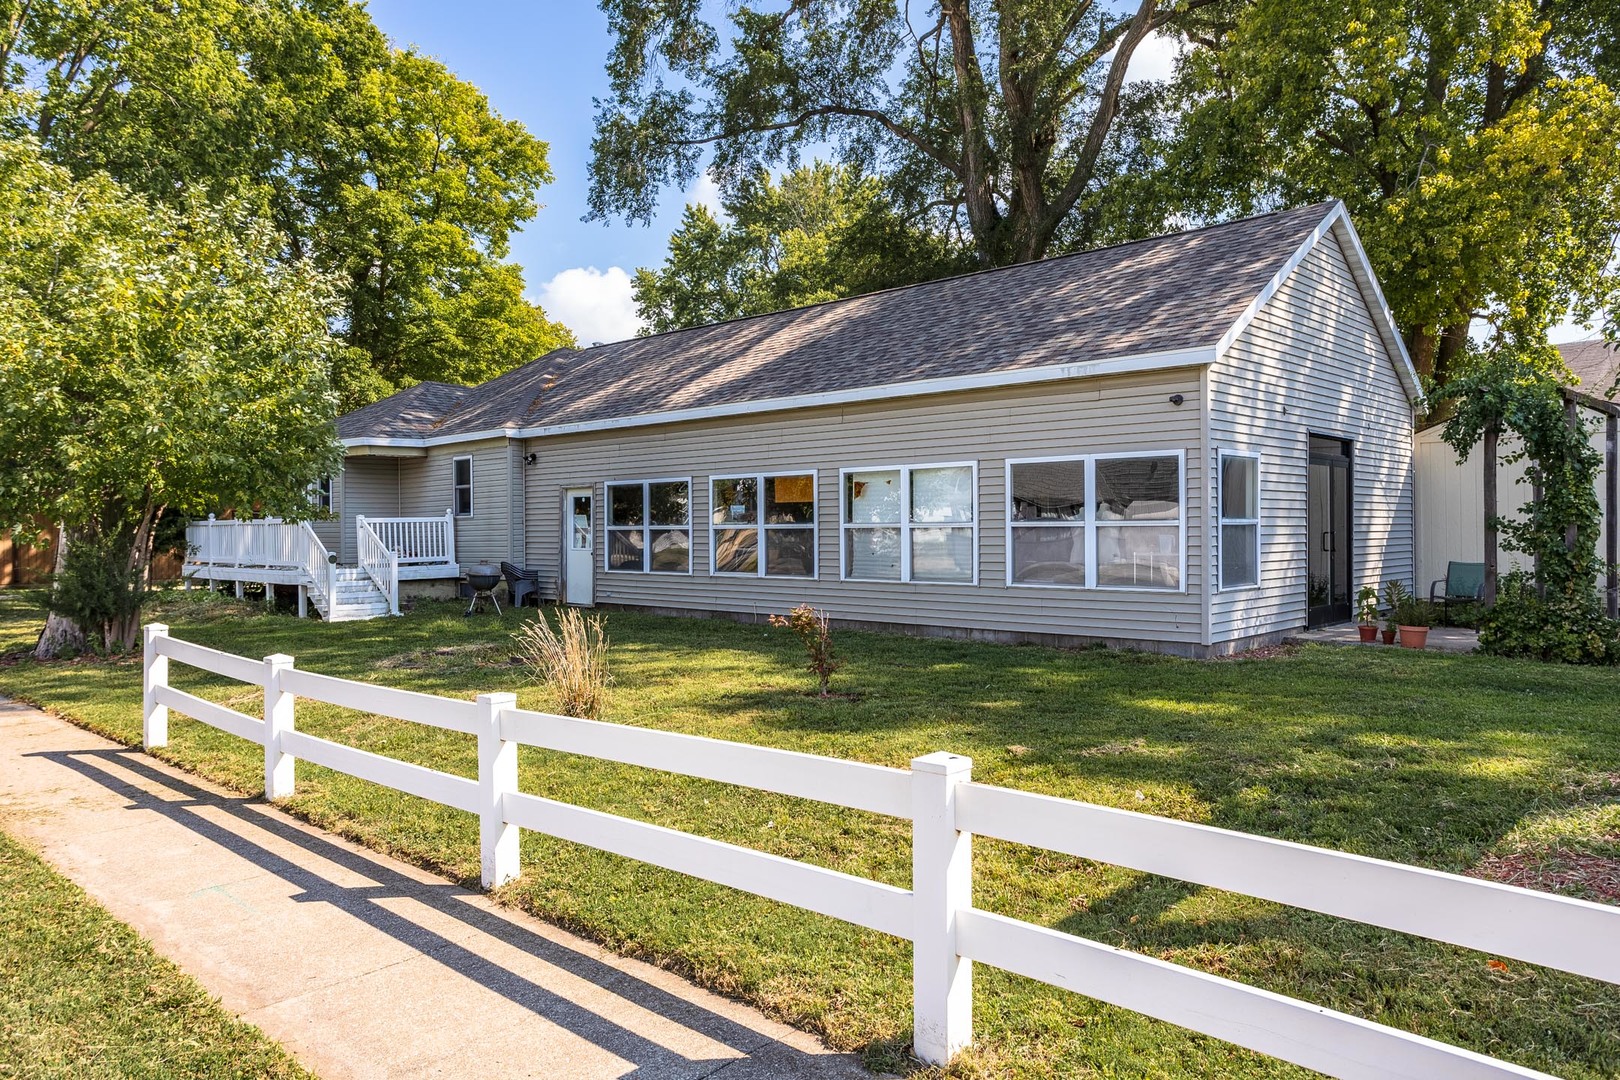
(646, 527)
(455, 488)
(1221, 520)
(321, 494)
(761, 526)
(1091, 523)
(905, 524)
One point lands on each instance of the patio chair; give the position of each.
(1464, 583)
(521, 584)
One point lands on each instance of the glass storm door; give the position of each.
(1330, 541)
(579, 546)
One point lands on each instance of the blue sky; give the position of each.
(542, 63)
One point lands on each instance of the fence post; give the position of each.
(450, 534)
(154, 673)
(278, 718)
(497, 775)
(942, 885)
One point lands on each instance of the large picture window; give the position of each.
(461, 491)
(764, 525)
(1103, 521)
(911, 523)
(1240, 520)
(649, 527)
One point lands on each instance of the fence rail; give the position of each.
(945, 806)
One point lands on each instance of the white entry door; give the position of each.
(579, 530)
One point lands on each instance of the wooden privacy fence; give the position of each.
(936, 914)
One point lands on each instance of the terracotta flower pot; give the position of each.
(1414, 637)
(1389, 636)
(1368, 632)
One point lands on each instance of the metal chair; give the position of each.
(1464, 583)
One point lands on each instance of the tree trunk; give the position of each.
(61, 634)
(127, 630)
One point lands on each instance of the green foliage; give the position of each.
(1367, 604)
(1009, 122)
(1563, 628)
(1472, 141)
(1395, 595)
(151, 359)
(375, 163)
(1414, 612)
(1521, 392)
(823, 233)
(99, 590)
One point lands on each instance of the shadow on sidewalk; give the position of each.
(759, 1055)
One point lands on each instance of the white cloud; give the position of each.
(705, 192)
(1154, 58)
(597, 305)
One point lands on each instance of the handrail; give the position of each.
(379, 563)
(320, 566)
(418, 541)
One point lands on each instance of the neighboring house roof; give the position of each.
(413, 412)
(1169, 301)
(1596, 364)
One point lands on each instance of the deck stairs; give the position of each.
(358, 597)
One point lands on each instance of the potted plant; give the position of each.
(1414, 619)
(1367, 614)
(1395, 594)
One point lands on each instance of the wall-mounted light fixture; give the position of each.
(531, 458)
(1176, 399)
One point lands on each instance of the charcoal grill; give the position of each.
(482, 579)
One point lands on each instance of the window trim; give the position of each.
(905, 525)
(646, 527)
(455, 488)
(1091, 524)
(761, 525)
(321, 494)
(1221, 520)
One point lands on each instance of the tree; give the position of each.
(1000, 116)
(1471, 140)
(377, 163)
(823, 233)
(152, 358)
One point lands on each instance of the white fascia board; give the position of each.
(1154, 361)
(1173, 358)
(1337, 221)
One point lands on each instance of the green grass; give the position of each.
(85, 997)
(1442, 761)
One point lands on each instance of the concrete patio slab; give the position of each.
(1441, 638)
(360, 965)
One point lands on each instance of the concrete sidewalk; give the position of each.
(362, 966)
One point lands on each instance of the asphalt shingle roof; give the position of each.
(1168, 293)
(1596, 363)
(411, 413)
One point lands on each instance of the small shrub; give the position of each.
(813, 629)
(1395, 594)
(1562, 629)
(571, 660)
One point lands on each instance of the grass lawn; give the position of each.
(1458, 763)
(85, 997)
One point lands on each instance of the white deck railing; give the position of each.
(418, 541)
(937, 915)
(379, 563)
(268, 542)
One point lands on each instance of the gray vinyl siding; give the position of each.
(330, 530)
(370, 487)
(427, 490)
(1312, 362)
(1101, 415)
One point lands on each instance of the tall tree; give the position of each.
(822, 233)
(151, 359)
(1473, 142)
(378, 163)
(1002, 114)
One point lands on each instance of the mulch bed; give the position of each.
(1591, 877)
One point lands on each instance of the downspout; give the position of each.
(1611, 457)
(1210, 466)
(1490, 515)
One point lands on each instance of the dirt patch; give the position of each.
(1264, 652)
(1591, 877)
(477, 654)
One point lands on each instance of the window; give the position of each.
(649, 527)
(320, 493)
(910, 523)
(773, 514)
(461, 486)
(1240, 520)
(1105, 521)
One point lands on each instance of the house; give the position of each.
(1193, 443)
(1451, 493)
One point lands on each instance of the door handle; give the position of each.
(1327, 540)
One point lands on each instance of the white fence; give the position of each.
(419, 541)
(937, 915)
(379, 563)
